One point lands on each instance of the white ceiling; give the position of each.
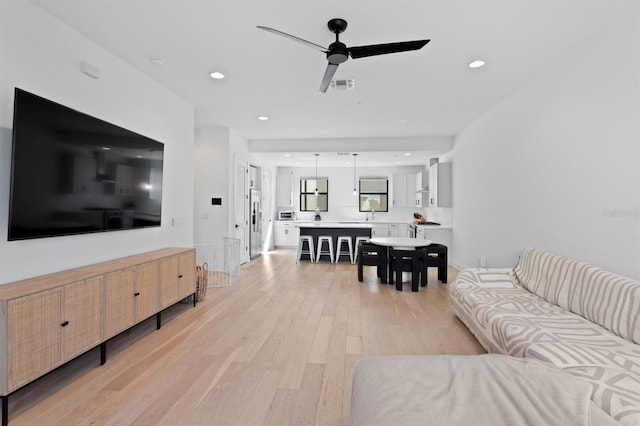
(430, 92)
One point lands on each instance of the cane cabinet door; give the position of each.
(187, 278)
(33, 336)
(169, 268)
(82, 316)
(147, 290)
(119, 301)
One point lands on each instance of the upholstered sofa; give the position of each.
(568, 313)
(563, 341)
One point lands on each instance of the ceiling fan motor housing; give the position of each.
(337, 53)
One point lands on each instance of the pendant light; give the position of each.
(316, 191)
(355, 190)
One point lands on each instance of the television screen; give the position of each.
(72, 173)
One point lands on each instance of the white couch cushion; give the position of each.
(614, 372)
(602, 297)
(481, 390)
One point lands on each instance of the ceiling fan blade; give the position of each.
(382, 49)
(294, 38)
(328, 75)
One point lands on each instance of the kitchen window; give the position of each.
(309, 199)
(374, 194)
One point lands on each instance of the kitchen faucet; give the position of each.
(373, 213)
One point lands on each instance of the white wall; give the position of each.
(212, 174)
(557, 165)
(42, 55)
(214, 161)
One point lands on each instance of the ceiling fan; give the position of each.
(338, 52)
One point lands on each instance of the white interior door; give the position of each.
(241, 207)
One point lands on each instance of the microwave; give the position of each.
(287, 215)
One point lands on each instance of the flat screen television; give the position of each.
(72, 173)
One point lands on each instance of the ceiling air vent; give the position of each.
(343, 84)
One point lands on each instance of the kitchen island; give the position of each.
(335, 230)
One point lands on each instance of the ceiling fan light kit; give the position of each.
(349, 84)
(338, 52)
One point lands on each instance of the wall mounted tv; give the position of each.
(73, 174)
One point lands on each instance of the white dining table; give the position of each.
(400, 242)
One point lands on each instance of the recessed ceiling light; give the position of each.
(476, 64)
(398, 162)
(287, 155)
(106, 148)
(263, 118)
(157, 61)
(407, 153)
(216, 75)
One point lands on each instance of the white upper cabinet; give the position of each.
(399, 190)
(404, 189)
(284, 190)
(440, 185)
(422, 181)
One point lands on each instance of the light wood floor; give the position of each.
(278, 347)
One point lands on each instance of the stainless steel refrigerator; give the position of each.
(255, 224)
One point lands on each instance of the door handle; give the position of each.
(64, 324)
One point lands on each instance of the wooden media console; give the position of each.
(48, 320)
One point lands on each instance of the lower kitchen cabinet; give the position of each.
(379, 231)
(404, 231)
(285, 234)
(385, 230)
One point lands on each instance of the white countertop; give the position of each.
(433, 226)
(322, 224)
(356, 223)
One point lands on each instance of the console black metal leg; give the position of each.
(103, 353)
(194, 300)
(5, 410)
(158, 320)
